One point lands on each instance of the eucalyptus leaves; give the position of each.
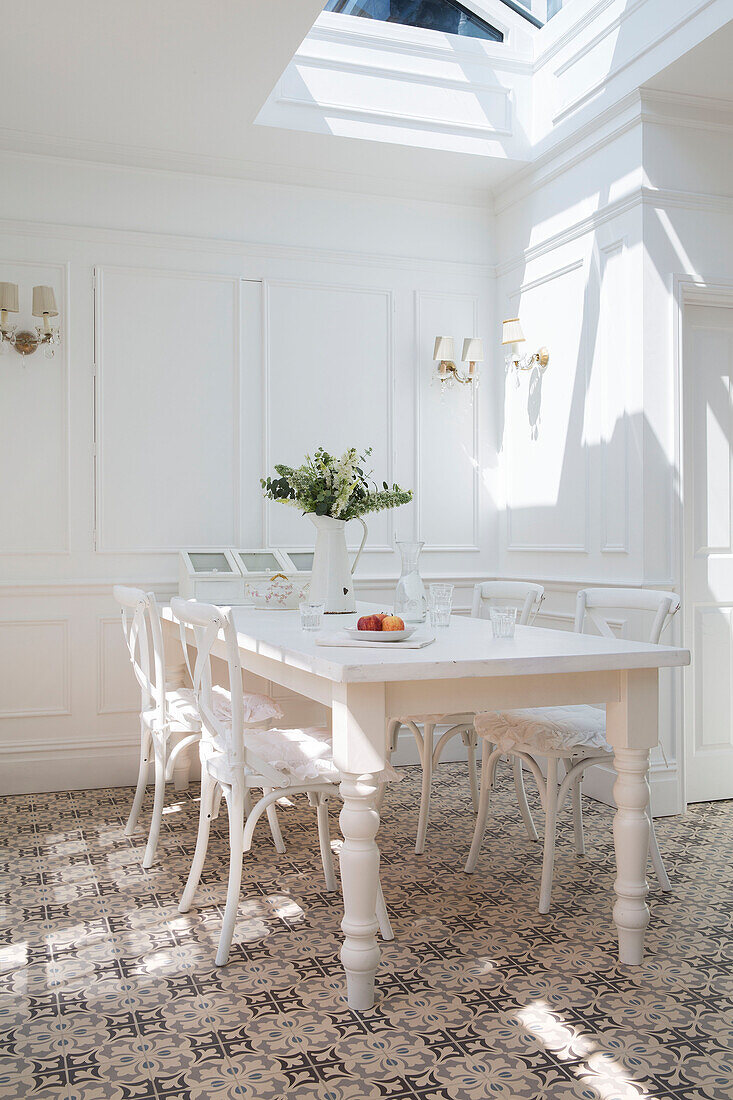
(337, 487)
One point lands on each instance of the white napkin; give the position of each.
(342, 640)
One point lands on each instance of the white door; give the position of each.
(708, 535)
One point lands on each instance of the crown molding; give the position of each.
(143, 159)
(683, 109)
(655, 198)
(596, 134)
(245, 249)
(659, 198)
(572, 232)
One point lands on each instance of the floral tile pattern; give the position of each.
(107, 992)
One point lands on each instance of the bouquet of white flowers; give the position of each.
(335, 487)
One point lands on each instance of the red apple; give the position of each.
(369, 622)
(392, 622)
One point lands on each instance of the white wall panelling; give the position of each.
(329, 381)
(117, 690)
(35, 659)
(167, 366)
(447, 458)
(34, 439)
(546, 452)
(613, 351)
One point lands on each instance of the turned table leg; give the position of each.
(358, 712)
(359, 859)
(632, 729)
(631, 841)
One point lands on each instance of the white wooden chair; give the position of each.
(574, 734)
(528, 599)
(239, 754)
(169, 723)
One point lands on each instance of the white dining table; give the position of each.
(465, 669)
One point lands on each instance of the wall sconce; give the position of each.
(512, 335)
(26, 342)
(473, 353)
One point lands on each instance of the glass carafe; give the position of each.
(410, 601)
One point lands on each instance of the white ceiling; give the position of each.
(177, 84)
(705, 71)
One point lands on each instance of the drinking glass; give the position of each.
(311, 615)
(503, 621)
(441, 603)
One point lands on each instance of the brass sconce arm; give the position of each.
(526, 362)
(447, 368)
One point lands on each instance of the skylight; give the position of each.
(436, 15)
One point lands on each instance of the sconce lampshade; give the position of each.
(443, 348)
(44, 301)
(473, 350)
(9, 297)
(512, 333)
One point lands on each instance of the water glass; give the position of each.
(441, 603)
(311, 615)
(503, 621)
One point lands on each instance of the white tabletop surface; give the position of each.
(465, 648)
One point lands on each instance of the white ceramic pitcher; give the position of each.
(331, 579)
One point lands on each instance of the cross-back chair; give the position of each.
(238, 754)
(169, 723)
(527, 598)
(575, 735)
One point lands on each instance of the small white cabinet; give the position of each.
(222, 576)
(210, 575)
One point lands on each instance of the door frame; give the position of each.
(688, 290)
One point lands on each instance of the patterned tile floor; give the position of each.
(107, 992)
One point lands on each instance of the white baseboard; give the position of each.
(76, 769)
(66, 769)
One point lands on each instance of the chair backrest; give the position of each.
(594, 604)
(144, 637)
(211, 624)
(527, 598)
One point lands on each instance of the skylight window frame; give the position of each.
(465, 5)
(423, 41)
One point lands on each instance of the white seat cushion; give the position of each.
(546, 729)
(257, 708)
(301, 755)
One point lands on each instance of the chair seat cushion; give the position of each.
(257, 708)
(303, 755)
(546, 729)
(300, 755)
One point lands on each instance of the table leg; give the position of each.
(358, 717)
(632, 729)
(631, 840)
(359, 860)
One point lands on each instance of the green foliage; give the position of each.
(337, 487)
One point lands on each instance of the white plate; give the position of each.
(381, 635)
